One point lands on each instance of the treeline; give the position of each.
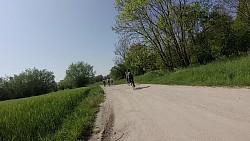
(169, 34)
(78, 75)
(33, 82)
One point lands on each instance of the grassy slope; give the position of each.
(47, 116)
(234, 72)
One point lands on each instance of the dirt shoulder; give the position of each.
(175, 113)
(104, 121)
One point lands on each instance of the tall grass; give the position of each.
(39, 117)
(79, 124)
(230, 72)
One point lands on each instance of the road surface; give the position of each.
(174, 113)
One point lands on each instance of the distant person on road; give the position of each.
(130, 78)
(111, 81)
(104, 82)
(108, 80)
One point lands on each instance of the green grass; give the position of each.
(79, 124)
(61, 115)
(230, 72)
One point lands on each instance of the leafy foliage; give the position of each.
(78, 75)
(138, 59)
(98, 78)
(31, 82)
(168, 26)
(183, 32)
(118, 71)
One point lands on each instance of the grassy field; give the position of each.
(63, 115)
(230, 72)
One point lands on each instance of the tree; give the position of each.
(118, 71)
(4, 94)
(239, 40)
(64, 84)
(213, 41)
(79, 74)
(31, 82)
(241, 8)
(132, 19)
(138, 59)
(168, 26)
(98, 78)
(241, 27)
(121, 49)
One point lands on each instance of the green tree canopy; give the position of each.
(31, 82)
(118, 71)
(138, 58)
(98, 78)
(79, 74)
(167, 26)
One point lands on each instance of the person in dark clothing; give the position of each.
(104, 82)
(108, 81)
(130, 78)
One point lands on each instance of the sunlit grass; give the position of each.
(39, 117)
(234, 72)
(79, 124)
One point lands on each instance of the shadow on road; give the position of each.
(138, 88)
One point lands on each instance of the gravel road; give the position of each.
(174, 113)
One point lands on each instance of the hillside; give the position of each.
(229, 72)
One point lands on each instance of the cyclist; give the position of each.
(104, 82)
(130, 78)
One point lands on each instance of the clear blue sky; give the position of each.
(52, 34)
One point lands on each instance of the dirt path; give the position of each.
(177, 113)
